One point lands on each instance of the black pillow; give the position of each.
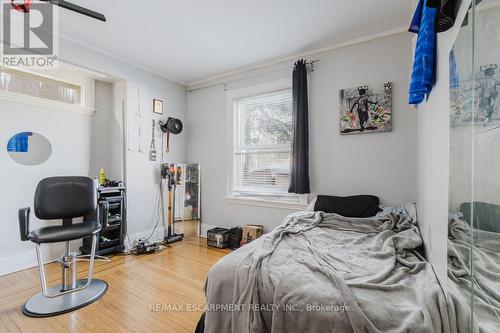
(355, 206)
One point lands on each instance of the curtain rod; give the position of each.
(311, 63)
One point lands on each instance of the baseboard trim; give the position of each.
(27, 259)
(18, 262)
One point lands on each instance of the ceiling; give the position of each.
(190, 40)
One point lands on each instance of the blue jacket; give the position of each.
(424, 63)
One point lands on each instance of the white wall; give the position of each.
(70, 135)
(433, 157)
(381, 164)
(142, 175)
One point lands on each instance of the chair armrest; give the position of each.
(24, 223)
(103, 214)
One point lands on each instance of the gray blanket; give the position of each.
(485, 284)
(320, 272)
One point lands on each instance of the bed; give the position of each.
(483, 244)
(323, 272)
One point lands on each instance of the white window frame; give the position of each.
(232, 98)
(86, 84)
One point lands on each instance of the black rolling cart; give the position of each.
(111, 238)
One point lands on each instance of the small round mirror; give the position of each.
(29, 148)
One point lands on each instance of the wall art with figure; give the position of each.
(366, 109)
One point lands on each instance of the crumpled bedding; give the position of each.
(485, 286)
(320, 272)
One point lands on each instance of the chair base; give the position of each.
(41, 306)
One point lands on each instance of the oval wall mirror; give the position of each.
(29, 148)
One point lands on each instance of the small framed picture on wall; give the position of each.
(157, 106)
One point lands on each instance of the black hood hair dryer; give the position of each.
(174, 126)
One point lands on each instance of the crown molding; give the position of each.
(247, 68)
(121, 59)
(293, 57)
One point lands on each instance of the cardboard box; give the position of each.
(252, 232)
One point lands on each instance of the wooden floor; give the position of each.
(190, 228)
(136, 283)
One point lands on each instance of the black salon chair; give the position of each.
(64, 198)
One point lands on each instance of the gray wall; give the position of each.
(380, 164)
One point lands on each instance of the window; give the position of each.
(262, 146)
(19, 82)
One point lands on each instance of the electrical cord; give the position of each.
(144, 247)
(156, 219)
(134, 248)
(156, 209)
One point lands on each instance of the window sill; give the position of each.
(266, 203)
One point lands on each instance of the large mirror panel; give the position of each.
(484, 214)
(474, 200)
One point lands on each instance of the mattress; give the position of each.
(320, 272)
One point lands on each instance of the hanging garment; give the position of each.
(454, 78)
(424, 63)
(19, 143)
(417, 18)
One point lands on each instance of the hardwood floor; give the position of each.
(190, 228)
(175, 276)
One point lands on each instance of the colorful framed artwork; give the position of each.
(366, 109)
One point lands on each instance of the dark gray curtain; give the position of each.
(299, 182)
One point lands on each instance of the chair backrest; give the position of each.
(65, 198)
